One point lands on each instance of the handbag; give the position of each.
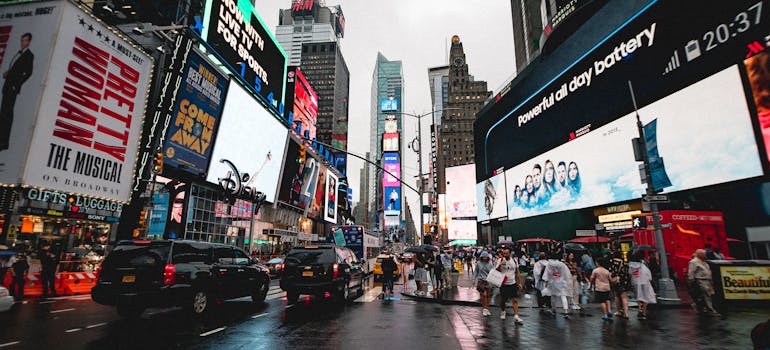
(495, 278)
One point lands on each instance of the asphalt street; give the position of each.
(369, 323)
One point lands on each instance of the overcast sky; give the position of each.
(417, 32)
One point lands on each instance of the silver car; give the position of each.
(6, 300)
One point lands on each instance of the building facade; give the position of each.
(299, 25)
(527, 29)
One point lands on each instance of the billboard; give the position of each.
(330, 201)
(292, 176)
(392, 198)
(461, 229)
(23, 79)
(340, 162)
(390, 142)
(320, 190)
(599, 167)
(491, 198)
(310, 173)
(443, 219)
(197, 110)
(90, 111)
(391, 164)
(236, 32)
(758, 71)
(304, 107)
(461, 191)
(252, 139)
(390, 104)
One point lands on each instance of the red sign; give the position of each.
(302, 5)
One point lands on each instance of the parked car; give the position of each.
(322, 268)
(377, 270)
(6, 300)
(141, 274)
(275, 265)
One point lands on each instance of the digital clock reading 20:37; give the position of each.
(740, 23)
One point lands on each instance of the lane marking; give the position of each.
(260, 315)
(289, 306)
(274, 296)
(62, 310)
(212, 331)
(9, 344)
(73, 330)
(370, 295)
(47, 302)
(96, 325)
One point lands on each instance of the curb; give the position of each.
(478, 304)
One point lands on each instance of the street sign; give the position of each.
(659, 198)
(643, 173)
(585, 233)
(599, 227)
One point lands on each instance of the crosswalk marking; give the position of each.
(370, 296)
(275, 292)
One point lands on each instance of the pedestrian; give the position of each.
(718, 254)
(654, 265)
(388, 266)
(760, 336)
(641, 280)
(577, 277)
(621, 284)
(483, 266)
(19, 271)
(49, 264)
(5, 264)
(537, 272)
(420, 273)
(600, 283)
(700, 279)
(558, 281)
(469, 262)
(446, 260)
(512, 284)
(587, 265)
(438, 274)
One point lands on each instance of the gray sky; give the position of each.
(417, 32)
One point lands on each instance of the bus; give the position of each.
(359, 240)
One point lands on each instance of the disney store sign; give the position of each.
(237, 185)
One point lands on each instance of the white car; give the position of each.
(6, 300)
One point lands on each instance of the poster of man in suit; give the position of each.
(17, 74)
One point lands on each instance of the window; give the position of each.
(188, 253)
(223, 255)
(241, 258)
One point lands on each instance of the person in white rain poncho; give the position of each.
(641, 282)
(558, 283)
(538, 271)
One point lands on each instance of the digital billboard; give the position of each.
(196, 114)
(304, 103)
(491, 198)
(391, 164)
(309, 181)
(461, 191)
(392, 198)
(291, 177)
(341, 162)
(663, 48)
(389, 105)
(238, 35)
(462, 229)
(252, 139)
(319, 199)
(704, 132)
(81, 114)
(330, 202)
(443, 219)
(758, 71)
(390, 142)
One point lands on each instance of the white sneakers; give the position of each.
(502, 315)
(486, 312)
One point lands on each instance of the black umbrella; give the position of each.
(505, 243)
(574, 247)
(429, 247)
(419, 249)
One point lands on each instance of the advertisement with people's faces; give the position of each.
(758, 71)
(461, 191)
(462, 229)
(320, 190)
(600, 168)
(169, 205)
(330, 205)
(490, 196)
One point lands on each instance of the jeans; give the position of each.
(49, 283)
(17, 287)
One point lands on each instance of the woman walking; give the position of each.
(621, 284)
(641, 280)
(483, 266)
(576, 278)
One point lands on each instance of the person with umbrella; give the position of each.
(420, 271)
(388, 266)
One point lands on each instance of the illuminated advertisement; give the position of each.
(389, 105)
(320, 191)
(391, 164)
(330, 203)
(292, 176)
(443, 219)
(239, 36)
(304, 113)
(461, 191)
(491, 198)
(461, 229)
(599, 167)
(340, 162)
(250, 138)
(390, 142)
(309, 181)
(745, 282)
(758, 71)
(392, 198)
(198, 105)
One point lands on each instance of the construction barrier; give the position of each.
(65, 283)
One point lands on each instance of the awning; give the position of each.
(734, 240)
(463, 242)
(598, 239)
(627, 235)
(535, 240)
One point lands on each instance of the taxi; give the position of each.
(377, 271)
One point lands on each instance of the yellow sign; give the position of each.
(746, 282)
(625, 216)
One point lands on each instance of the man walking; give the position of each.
(19, 271)
(49, 263)
(699, 276)
(389, 267)
(446, 260)
(511, 283)
(17, 73)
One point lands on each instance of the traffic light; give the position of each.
(302, 155)
(157, 165)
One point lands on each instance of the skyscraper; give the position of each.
(438, 81)
(527, 30)
(386, 106)
(308, 22)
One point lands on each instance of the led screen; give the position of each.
(704, 133)
(390, 142)
(462, 229)
(292, 176)
(461, 191)
(392, 198)
(490, 196)
(252, 139)
(305, 111)
(389, 105)
(330, 205)
(391, 164)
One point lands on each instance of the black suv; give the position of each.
(140, 274)
(317, 269)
